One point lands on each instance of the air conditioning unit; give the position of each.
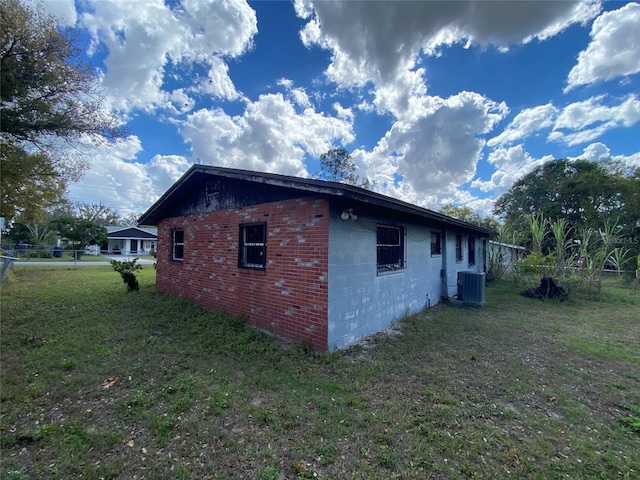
(471, 288)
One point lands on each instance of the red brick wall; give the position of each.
(289, 298)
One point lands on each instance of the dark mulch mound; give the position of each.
(549, 288)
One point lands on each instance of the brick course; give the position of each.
(289, 298)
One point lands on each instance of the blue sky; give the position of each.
(437, 102)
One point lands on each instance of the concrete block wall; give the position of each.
(454, 266)
(288, 298)
(361, 301)
(479, 265)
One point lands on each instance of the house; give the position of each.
(130, 240)
(504, 255)
(315, 262)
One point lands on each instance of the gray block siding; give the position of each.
(453, 266)
(361, 302)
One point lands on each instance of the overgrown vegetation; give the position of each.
(500, 260)
(578, 260)
(97, 385)
(583, 194)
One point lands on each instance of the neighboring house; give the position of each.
(130, 240)
(504, 254)
(315, 262)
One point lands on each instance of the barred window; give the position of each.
(390, 243)
(436, 243)
(253, 246)
(471, 247)
(458, 247)
(177, 244)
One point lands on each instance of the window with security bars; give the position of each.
(458, 247)
(472, 250)
(253, 246)
(390, 243)
(436, 243)
(177, 244)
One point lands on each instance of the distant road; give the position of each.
(82, 263)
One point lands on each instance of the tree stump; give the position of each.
(549, 288)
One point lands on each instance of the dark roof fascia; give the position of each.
(145, 218)
(112, 230)
(119, 237)
(309, 185)
(380, 200)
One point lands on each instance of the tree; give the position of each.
(337, 166)
(29, 184)
(80, 230)
(467, 214)
(130, 219)
(98, 212)
(47, 94)
(630, 190)
(31, 233)
(20, 233)
(63, 207)
(586, 194)
(46, 90)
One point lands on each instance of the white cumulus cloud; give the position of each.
(584, 121)
(596, 151)
(119, 181)
(64, 10)
(436, 151)
(148, 42)
(270, 136)
(599, 151)
(510, 164)
(614, 48)
(433, 144)
(525, 123)
(375, 40)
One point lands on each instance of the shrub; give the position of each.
(127, 269)
(535, 265)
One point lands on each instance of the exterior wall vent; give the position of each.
(471, 288)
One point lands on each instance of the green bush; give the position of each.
(127, 269)
(533, 266)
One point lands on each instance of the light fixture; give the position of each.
(348, 214)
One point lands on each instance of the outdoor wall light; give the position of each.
(348, 214)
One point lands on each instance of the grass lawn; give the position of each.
(101, 383)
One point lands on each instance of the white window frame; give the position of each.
(243, 244)
(175, 244)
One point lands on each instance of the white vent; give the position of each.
(471, 288)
